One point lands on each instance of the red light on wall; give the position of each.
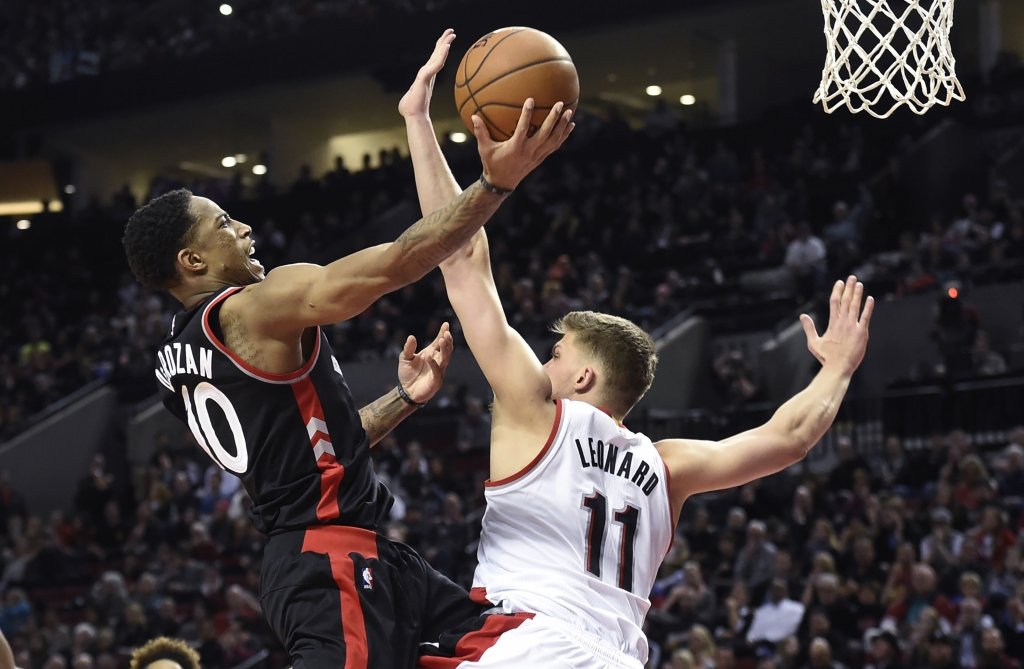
(953, 292)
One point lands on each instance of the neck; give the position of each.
(191, 295)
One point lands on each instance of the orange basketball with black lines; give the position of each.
(504, 68)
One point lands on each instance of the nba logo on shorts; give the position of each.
(367, 578)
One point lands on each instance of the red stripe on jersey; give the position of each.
(339, 543)
(478, 595)
(473, 645)
(331, 472)
(246, 367)
(540, 456)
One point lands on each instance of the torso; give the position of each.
(580, 532)
(293, 437)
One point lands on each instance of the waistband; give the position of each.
(591, 642)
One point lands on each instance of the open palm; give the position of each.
(422, 374)
(846, 338)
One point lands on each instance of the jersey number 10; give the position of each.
(207, 392)
(597, 505)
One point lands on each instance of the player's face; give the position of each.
(565, 368)
(225, 245)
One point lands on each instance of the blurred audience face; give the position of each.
(923, 579)
(820, 654)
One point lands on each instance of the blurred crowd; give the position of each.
(639, 223)
(50, 41)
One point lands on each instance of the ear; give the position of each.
(586, 380)
(190, 261)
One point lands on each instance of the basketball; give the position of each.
(504, 68)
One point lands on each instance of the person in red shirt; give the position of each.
(922, 594)
(993, 537)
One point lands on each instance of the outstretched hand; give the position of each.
(416, 101)
(422, 374)
(846, 338)
(507, 163)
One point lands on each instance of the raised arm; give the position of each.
(295, 297)
(702, 466)
(435, 184)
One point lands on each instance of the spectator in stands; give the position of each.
(941, 548)
(1011, 478)
(923, 593)
(939, 652)
(735, 379)
(806, 259)
(779, 617)
(993, 538)
(993, 651)
(755, 564)
(821, 656)
(849, 463)
(986, 361)
(474, 429)
(884, 652)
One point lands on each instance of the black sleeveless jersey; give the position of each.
(295, 440)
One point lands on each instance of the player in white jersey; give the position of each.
(581, 511)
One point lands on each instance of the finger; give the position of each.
(869, 308)
(835, 300)
(809, 329)
(551, 121)
(562, 131)
(848, 288)
(523, 127)
(858, 298)
(434, 367)
(409, 351)
(483, 136)
(441, 332)
(441, 50)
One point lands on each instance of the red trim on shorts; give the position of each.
(331, 471)
(338, 543)
(259, 373)
(479, 596)
(473, 645)
(540, 456)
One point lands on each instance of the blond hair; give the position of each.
(163, 648)
(625, 352)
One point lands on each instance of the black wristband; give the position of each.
(491, 188)
(405, 397)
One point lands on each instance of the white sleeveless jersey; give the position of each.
(580, 533)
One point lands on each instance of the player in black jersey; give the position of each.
(248, 369)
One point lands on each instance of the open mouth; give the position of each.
(252, 259)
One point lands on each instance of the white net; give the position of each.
(887, 53)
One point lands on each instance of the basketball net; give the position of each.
(877, 56)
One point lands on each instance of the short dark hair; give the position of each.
(154, 235)
(164, 648)
(626, 353)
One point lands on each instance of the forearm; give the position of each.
(803, 420)
(383, 415)
(436, 236)
(435, 184)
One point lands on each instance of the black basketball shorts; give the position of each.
(342, 597)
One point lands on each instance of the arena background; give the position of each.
(691, 219)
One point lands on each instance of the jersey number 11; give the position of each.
(597, 506)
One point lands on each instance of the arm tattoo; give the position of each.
(383, 415)
(238, 338)
(435, 237)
